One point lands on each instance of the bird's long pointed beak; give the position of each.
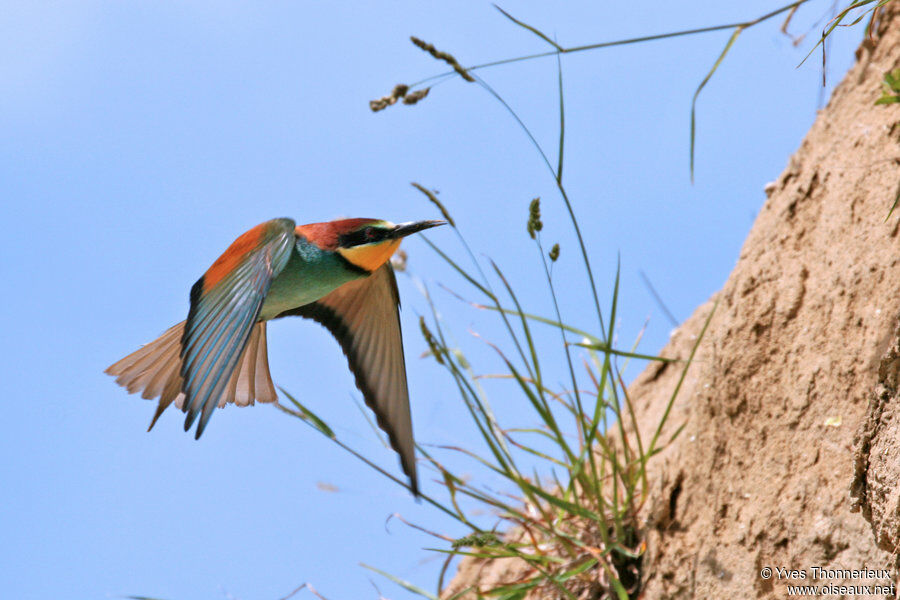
(404, 229)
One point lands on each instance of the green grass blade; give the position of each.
(625, 353)
(401, 582)
(894, 205)
(533, 30)
(563, 505)
(731, 40)
(562, 121)
(690, 360)
(578, 570)
(310, 417)
(536, 371)
(593, 339)
(506, 551)
(367, 415)
(458, 269)
(610, 335)
(621, 593)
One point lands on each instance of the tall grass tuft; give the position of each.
(573, 469)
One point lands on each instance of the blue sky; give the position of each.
(137, 140)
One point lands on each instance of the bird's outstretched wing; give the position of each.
(225, 304)
(364, 317)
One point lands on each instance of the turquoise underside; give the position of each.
(309, 274)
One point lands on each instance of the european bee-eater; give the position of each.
(337, 273)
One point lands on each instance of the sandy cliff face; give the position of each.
(791, 400)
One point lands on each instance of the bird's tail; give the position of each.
(155, 370)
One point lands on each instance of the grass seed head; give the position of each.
(433, 346)
(444, 56)
(432, 196)
(554, 252)
(397, 93)
(534, 217)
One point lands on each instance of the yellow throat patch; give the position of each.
(370, 256)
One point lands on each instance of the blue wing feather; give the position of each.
(221, 317)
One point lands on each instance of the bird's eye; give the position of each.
(370, 234)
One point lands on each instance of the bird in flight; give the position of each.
(337, 273)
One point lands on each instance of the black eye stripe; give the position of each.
(366, 235)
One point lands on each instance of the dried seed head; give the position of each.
(433, 197)
(534, 217)
(554, 252)
(433, 346)
(382, 103)
(414, 97)
(444, 56)
(429, 48)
